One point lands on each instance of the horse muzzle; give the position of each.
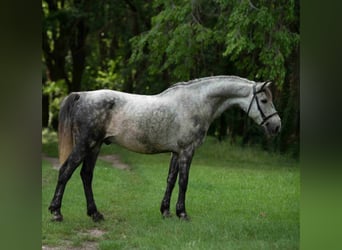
(273, 126)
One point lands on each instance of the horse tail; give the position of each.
(65, 133)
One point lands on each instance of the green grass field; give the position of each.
(238, 198)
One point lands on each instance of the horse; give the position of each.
(175, 120)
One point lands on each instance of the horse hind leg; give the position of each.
(87, 177)
(65, 172)
(171, 180)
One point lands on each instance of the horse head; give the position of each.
(262, 110)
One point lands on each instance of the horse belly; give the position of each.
(142, 134)
(142, 143)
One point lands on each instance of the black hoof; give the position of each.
(97, 217)
(167, 214)
(183, 217)
(57, 216)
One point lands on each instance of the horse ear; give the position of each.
(266, 84)
(263, 85)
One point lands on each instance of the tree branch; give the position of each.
(252, 5)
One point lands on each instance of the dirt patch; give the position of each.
(85, 246)
(114, 160)
(94, 234)
(53, 160)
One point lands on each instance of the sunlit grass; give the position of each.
(238, 198)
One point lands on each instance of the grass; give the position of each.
(238, 198)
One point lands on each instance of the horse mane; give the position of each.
(204, 79)
(199, 80)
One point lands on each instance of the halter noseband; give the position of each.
(264, 117)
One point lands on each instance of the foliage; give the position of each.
(257, 40)
(104, 77)
(55, 90)
(237, 199)
(261, 36)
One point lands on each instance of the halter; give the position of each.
(264, 117)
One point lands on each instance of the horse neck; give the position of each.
(226, 92)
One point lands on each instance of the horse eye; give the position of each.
(264, 100)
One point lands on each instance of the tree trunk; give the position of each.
(78, 54)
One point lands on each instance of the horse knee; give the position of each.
(183, 181)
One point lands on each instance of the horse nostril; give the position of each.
(276, 130)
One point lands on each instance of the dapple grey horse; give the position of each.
(175, 121)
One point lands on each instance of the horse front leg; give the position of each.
(185, 159)
(171, 180)
(87, 178)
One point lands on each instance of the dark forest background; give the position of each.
(146, 46)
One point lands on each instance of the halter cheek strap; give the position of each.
(264, 117)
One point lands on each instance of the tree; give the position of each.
(64, 32)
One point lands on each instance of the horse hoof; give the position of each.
(183, 217)
(167, 214)
(97, 217)
(57, 217)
